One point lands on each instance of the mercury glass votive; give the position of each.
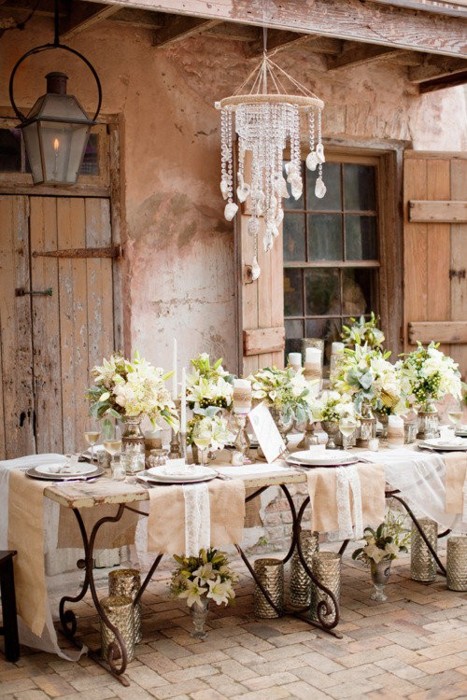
(300, 583)
(422, 562)
(327, 570)
(270, 572)
(127, 582)
(456, 564)
(119, 611)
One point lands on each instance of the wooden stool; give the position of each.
(7, 591)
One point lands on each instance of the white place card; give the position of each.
(266, 432)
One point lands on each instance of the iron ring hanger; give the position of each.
(47, 47)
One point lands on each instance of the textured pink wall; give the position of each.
(180, 255)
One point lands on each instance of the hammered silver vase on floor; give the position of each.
(327, 570)
(119, 611)
(422, 562)
(300, 583)
(270, 572)
(456, 564)
(127, 582)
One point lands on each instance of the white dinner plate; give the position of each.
(169, 475)
(61, 469)
(329, 458)
(461, 431)
(441, 445)
(93, 474)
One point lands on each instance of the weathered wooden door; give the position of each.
(56, 317)
(435, 252)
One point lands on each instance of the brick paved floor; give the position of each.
(414, 646)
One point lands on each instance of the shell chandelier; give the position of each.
(268, 111)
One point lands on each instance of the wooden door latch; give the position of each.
(39, 293)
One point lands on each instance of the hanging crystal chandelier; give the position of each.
(269, 111)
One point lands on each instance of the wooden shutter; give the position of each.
(262, 303)
(435, 251)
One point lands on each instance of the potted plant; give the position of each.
(200, 579)
(383, 545)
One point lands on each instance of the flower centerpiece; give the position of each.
(129, 390)
(383, 545)
(363, 332)
(201, 579)
(329, 408)
(209, 395)
(427, 375)
(125, 389)
(284, 390)
(209, 385)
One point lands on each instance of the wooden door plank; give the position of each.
(459, 262)
(438, 331)
(15, 319)
(263, 340)
(438, 248)
(99, 283)
(46, 340)
(249, 291)
(447, 212)
(415, 247)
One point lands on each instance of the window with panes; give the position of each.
(331, 252)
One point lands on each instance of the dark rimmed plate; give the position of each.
(34, 474)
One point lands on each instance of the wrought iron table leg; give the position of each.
(324, 609)
(393, 494)
(117, 657)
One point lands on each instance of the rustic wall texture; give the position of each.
(180, 274)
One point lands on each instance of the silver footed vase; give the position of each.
(380, 572)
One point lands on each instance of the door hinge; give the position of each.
(20, 292)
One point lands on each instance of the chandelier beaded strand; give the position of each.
(267, 118)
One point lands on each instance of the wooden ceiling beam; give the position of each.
(450, 7)
(235, 32)
(279, 40)
(179, 27)
(83, 16)
(351, 20)
(354, 55)
(446, 81)
(435, 67)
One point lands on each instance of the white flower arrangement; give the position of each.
(386, 542)
(368, 376)
(363, 332)
(209, 428)
(205, 576)
(209, 385)
(284, 389)
(332, 406)
(427, 375)
(129, 389)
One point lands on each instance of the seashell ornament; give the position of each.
(230, 210)
(253, 226)
(255, 269)
(320, 153)
(312, 161)
(320, 188)
(224, 189)
(242, 192)
(296, 186)
(279, 218)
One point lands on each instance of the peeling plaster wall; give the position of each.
(180, 278)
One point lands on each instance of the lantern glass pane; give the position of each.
(33, 150)
(63, 149)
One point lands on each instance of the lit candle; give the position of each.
(241, 396)
(174, 366)
(183, 403)
(337, 348)
(295, 359)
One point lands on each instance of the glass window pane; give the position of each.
(10, 150)
(290, 202)
(294, 237)
(293, 300)
(328, 329)
(325, 237)
(360, 237)
(90, 164)
(293, 336)
(358, 290)
(332, 179)
(322, 292)
(359, 187)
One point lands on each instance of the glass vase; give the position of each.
(284, 425)
(428, 421)
(331, 428)
(367, 429)
(132, 455)
(380, 572)
(199, 614)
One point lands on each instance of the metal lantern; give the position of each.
(56, 133)
(56, 130)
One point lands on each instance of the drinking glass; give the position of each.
(91, 434)
(202, 442)
(113, 445)
(454, 411)
(347, 426)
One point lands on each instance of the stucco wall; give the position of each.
(181, 277)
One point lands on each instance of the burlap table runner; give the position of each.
(323, 497)
(456, 474)
(26, 535)
(166, 521)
